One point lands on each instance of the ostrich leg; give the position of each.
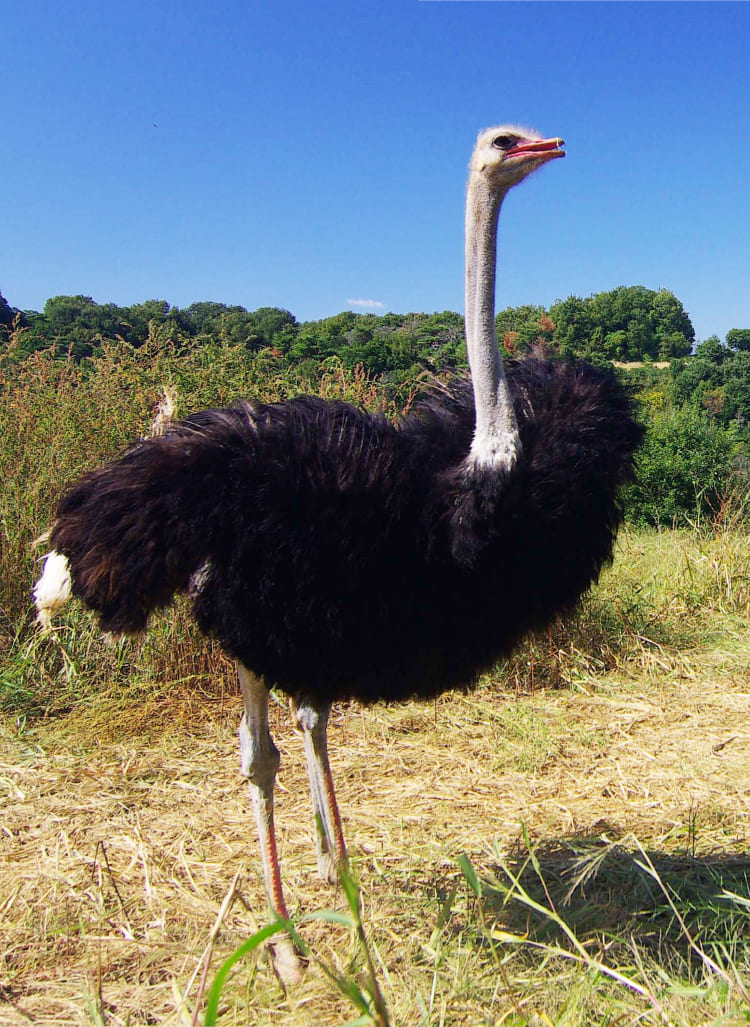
(312, 721)
(259, 764)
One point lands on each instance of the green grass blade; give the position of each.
(470, 874)
(212, 1002)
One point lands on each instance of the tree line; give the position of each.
(628, 323)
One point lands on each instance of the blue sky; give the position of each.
(306, 154)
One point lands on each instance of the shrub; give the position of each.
(684, 468)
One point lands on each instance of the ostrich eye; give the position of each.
(504, 142)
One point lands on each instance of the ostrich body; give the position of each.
(337, 555)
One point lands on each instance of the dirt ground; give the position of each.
(116, 853)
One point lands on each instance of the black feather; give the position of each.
(339, 555)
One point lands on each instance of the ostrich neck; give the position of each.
(496, 442)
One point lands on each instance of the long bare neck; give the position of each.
(496, 443)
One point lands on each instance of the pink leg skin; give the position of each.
(260, 762)
(329, 839)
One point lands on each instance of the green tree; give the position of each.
(77, 324)
(138, 319)
(693, 376)
(739, 339)
(673, 329)
(7, 314)
(736, 390)
(712, 350)
(626, 323)
(275, 327)
(573, 325)
(325, 338)
(523, 326)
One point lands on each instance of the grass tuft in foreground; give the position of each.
(664, 931)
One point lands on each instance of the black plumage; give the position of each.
(338, 555)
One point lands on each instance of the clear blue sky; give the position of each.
(306, 154)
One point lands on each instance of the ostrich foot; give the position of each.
(328, 867)
(287, 963)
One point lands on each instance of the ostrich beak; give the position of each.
(546, 149)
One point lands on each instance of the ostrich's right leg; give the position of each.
(260, 762)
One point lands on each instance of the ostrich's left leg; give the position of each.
(260, 763)
(312, 720)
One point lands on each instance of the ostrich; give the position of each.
(336, 555)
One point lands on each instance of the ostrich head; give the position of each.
(505, 155)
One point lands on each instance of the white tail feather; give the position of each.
(52, 590)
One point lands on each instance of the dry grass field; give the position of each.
(602, 799)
